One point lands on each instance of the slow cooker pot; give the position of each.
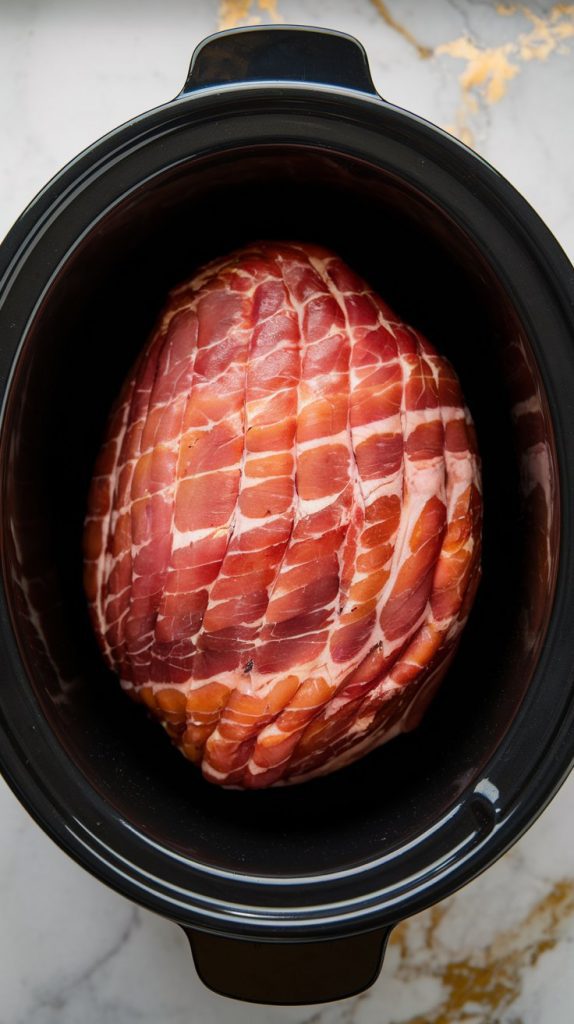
(287, 896)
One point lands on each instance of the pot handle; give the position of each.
(288, 973)
(287, 53)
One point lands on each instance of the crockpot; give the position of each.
(289, 895)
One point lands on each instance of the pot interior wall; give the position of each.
(91, 324)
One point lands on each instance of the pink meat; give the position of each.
(283, 534)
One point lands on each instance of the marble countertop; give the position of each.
(501, 77)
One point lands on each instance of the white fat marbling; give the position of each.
(499, 952)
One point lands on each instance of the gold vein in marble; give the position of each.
(423, 51)
(486, 983)
(240, 12)
(547, 34)
(489, 70)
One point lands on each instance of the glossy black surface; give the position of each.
(460, 255)
(291, 54)
(92, 322)
(288, 973)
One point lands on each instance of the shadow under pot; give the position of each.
(288, 895)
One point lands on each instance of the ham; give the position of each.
(282, 542)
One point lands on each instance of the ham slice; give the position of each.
(282, 542)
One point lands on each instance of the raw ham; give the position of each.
(283, 534)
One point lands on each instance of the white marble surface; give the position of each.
(501, 951)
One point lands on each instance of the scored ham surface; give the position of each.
(282, 542)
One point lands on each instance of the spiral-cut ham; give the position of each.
(283, 534)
